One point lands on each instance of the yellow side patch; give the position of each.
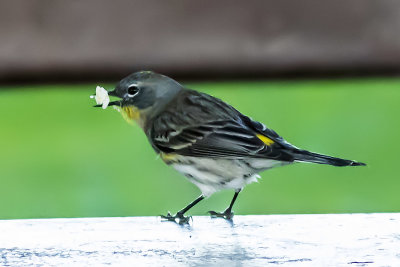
(168, 157)
(265, 139)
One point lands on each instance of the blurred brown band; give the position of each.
(56, 40)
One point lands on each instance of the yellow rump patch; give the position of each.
(265, 139)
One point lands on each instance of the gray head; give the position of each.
(145, 90)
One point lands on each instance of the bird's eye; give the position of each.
(133, 90)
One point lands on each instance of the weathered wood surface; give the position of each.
(289, 240)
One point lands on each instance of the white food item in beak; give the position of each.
(101, 97)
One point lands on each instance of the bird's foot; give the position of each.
(227, 214)
(178, 218)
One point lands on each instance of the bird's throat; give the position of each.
(131, 113)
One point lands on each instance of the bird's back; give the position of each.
(197, 124)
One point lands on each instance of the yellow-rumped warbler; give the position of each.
(215, 146)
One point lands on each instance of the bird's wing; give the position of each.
(260, 128)
(231, 135)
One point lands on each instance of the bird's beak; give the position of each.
(112, 93)
(112, 103)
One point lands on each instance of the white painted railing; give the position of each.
(267, 240)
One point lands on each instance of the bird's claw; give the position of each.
(178, 218)
(227, 214)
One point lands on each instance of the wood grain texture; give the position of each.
(264, 240)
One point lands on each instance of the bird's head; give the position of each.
(144, 93)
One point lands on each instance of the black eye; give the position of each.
(133, 90)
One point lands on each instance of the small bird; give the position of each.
(211, 143)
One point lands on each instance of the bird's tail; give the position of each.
(307, 156)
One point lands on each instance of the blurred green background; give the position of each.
(62, 158)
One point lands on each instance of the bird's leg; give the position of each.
(228, 213)
(179, 216)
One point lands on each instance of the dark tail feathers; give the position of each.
(307, 156)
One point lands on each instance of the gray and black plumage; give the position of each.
(214, 145)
